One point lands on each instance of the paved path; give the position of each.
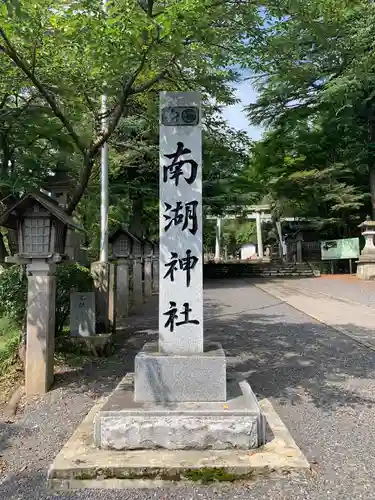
(343, 287)
(345, 304)
(320, 381)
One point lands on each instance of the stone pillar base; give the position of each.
(366, 269)
(123, 424)
(163, 377)
(40, 337)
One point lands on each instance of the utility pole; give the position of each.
(102, 270)
(104, 178)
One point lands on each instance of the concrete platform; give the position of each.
(161, 377)
(125, 424)
(81, 465)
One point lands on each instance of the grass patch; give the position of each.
(9, 341)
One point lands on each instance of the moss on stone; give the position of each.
(202, 475)
(213, 475)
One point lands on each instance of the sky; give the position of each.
(236, 116)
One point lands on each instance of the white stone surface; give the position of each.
(82, 314)
(179, 432)
(179, 377)
(124, 423)
(187, 337)
(366, 270)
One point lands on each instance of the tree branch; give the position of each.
(127, 91)
(150, 83)
(22, 65)
(84, 178)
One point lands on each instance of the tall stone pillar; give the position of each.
(122, 288)
(180, 389)
(218, 240)
(299, 241)
(137, 291)
(147, 283)
(40, 339)
(259, 234)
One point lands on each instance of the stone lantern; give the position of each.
(366, 261)
(41, 227)
(137, 248)
(127, 251)
(122, 243)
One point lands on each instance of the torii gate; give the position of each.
(259, 213)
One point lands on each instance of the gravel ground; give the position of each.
(320, 382)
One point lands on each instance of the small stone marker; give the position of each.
(82, 314)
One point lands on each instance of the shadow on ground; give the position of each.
(282, 352)
(279, 350)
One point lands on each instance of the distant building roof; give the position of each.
(122, 230)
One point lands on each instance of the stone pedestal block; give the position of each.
(366, 269)
(124, 424)
(40, 338)
(169, 378)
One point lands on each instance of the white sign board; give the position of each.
(82, 314)
(181, 265)
(340, 249)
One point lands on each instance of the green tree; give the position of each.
(315, 76)
(68, 54)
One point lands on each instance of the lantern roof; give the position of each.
(122, 230)
(367, 223)
(11, 215)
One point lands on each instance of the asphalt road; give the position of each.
(320, 382)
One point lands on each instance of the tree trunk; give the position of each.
(88, 163)
(136, 225)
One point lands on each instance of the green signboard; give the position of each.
(340, 249)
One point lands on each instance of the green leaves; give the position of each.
(316, 83)
(68, 54)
